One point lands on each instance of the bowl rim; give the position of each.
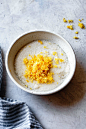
(31, 91)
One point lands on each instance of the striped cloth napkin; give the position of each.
(14, 114)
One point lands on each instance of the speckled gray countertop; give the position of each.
(67, 108)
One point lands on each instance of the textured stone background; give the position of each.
(67, 108)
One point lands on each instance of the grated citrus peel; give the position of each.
(38, 69)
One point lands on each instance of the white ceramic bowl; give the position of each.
(29, 37)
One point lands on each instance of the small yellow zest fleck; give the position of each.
(57, 60)
(81, 25)
(57, 73)
(30, 88)
(49, 43)
(75, 37)
(27, 81)
(55, 66)
(70, 21)
(64, 20)
(29, 55)
(46, 51)
(40, 41)
(55, 53)
(45, 47)
(70, 27)
(41, 52)
(80, 20)
(25, 60)
(62, 54)
(57, 82)
(26, 86)
(61, 60)
(29, 46)
(59, 66)
(76, 32)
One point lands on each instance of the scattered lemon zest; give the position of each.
(46, 51)
(41, 52)
(55, 66)
(40, 41)
(49, 43)
(75, 37)
(81, 25)
(26, 86)
(70, 27)
(80, 20)
(55, 53)
(57, 82)
(57, 60)
(27, 81)
(29, 46)
(64, 20)
(45, 47)
(62, 54)
(70, 21)
(61, 60)
(76, 32)
(59, 66)
(30, 88)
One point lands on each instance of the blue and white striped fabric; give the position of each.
(1, 68)
(14, 114)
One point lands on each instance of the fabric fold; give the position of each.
(1, 68)
(14, 114)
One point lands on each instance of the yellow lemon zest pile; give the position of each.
(40, 41)
(81, 25)
(70, 27)
(38, 69)
(64, 20)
